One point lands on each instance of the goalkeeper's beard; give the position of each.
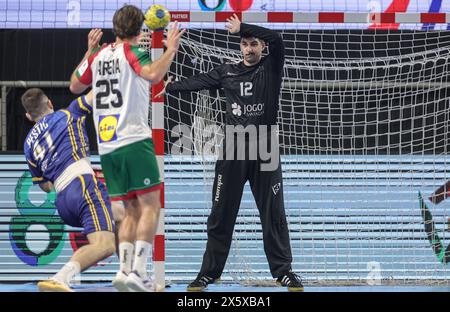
(251, 59)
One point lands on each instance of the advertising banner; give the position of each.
(86, 13)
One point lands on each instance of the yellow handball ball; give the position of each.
(157, 17)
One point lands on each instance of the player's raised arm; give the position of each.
(82, 105)
(273, 38)
(155, 71)
(82, 76)
(90, 98)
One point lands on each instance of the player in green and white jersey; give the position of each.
(121, 74)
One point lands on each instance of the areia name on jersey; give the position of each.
(108, 67)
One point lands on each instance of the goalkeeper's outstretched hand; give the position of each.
(169, 80)
(234, 24)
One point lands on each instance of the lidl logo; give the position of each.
(107, 128)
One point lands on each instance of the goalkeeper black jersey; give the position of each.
(252, 92)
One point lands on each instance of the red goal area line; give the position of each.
(316, 17)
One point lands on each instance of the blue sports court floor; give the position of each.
(106, 287)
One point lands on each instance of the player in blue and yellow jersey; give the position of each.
(57, 153)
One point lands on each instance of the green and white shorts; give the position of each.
(131, 170)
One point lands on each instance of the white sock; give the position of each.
(126, 250)
(67, 272)
(140, 257)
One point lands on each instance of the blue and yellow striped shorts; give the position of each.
(85, 203)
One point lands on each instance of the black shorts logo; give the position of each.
(276, 188)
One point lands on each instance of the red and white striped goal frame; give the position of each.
(157, 50)
(312, 17)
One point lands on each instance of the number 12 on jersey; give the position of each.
(246, 88)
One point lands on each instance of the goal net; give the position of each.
(364, 127)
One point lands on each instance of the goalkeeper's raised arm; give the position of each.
(270, 37)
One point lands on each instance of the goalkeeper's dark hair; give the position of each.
(128, 21)
(34, 101)
(247, 35)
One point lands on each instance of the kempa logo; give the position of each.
(236, 109)
(219, 185)
(276, 188)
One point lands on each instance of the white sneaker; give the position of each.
(120, 282)
(137, 283)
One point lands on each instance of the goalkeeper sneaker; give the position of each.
(292, 281)
(200, 283)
